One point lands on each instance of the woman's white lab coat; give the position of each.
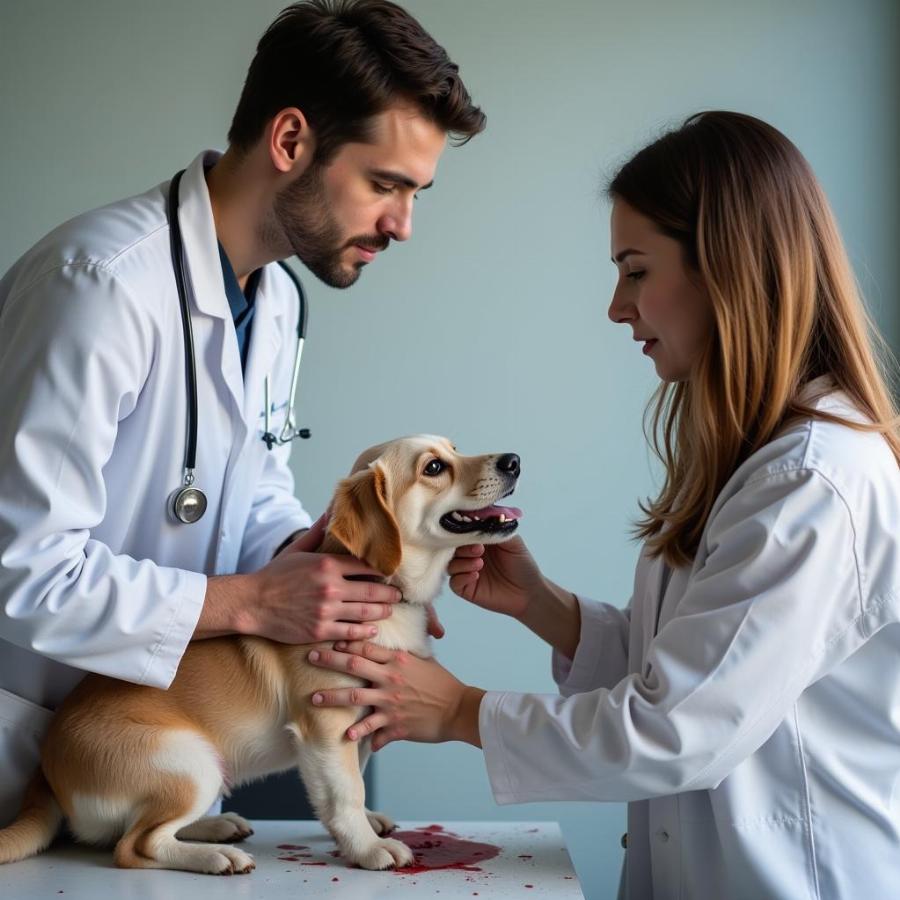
(93, 574)
(747, 708)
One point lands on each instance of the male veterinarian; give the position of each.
(106, 564)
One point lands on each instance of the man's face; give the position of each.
(336, 217)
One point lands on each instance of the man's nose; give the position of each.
(508, 464)
(397, 223)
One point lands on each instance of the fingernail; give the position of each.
(313, 656)
(340, 645)
(352, 735)
(317, 699)
(373, 632)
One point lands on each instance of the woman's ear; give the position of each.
(362, 521)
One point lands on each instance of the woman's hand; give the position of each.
(502, 578)
(414, 699)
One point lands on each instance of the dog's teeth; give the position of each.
(456, 515)
(466, 519)
(502, 518)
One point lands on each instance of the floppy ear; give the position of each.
(362, 521)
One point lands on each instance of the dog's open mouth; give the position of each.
(491, 519)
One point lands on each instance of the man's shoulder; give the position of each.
(120, 238)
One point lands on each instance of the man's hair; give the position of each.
(341, 62)
(757, 232)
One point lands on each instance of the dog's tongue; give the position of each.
(511, 512)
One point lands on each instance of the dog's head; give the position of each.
(419, 492)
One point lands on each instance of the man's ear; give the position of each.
(362, 521)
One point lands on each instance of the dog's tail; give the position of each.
(35, 826)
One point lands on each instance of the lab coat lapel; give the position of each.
(204, 272)
(265, 342)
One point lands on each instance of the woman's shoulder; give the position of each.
(858, 464)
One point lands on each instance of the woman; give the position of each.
(745, 703)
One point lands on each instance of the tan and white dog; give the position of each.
(139, 767)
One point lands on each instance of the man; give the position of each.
(343, 117)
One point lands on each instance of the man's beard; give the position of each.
(303, 217)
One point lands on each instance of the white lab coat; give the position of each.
(93, 574)
(755, 732)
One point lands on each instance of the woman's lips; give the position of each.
(648, 346)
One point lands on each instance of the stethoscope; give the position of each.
(188, 503)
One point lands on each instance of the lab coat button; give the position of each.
(624, 841)
(663, 835)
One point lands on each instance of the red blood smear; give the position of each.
(525, 856)
(313, 864)
(292, 847)
(529, 885)
(289, 858)
(435, 848)
(335, 878)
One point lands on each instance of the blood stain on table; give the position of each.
(436, 848)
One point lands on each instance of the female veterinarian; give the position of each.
(745, 703)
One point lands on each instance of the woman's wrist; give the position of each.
(554, 615)
(464, 722)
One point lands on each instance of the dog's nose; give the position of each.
(509, 464)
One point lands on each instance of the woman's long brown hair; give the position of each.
(757, 229)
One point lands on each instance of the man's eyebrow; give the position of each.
(398, 178)
(624, 254)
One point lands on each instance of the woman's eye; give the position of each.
(636, 276)
(435, 467)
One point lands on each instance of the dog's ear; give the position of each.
(362, 521)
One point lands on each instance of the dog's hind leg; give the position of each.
(186, 780)
(331, 773)
(227, 827)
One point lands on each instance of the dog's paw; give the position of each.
(239, 862)
(385, 854)
(381, 824)
(220, 860)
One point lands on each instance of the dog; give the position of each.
(138, 767)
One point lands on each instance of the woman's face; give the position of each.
(658, 294)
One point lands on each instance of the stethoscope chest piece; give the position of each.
(188, 504)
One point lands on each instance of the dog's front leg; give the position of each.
(330, 770)
(380, 823)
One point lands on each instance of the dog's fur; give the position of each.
(140, 766)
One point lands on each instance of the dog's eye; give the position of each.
(435, 467)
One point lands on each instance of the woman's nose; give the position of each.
(620, 310)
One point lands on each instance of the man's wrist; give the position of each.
(289, 540)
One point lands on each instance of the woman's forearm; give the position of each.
(555, 617)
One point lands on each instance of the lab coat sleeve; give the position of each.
(275, 513)
(74, 353)
(601, 658)
(776, 602)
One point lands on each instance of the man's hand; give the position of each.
(300, 597)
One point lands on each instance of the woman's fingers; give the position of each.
(375, 652)
(464, 585)
(469, 564)
(351, 663)
(368, 725)
(355, 696)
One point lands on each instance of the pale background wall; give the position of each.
(490, 326)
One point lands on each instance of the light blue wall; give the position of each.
(490, 326)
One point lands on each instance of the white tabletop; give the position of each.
(491, 859)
